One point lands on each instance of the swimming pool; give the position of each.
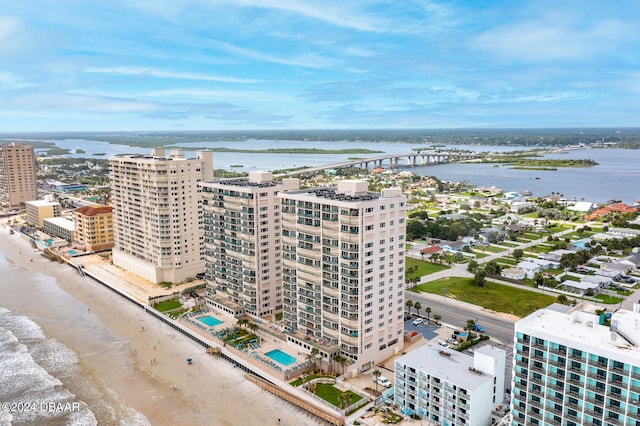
(209, 320)
(281, 357)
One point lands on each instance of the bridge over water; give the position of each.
(418, 158)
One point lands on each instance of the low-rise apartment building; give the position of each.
(447, 387)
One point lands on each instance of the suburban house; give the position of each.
(618, 267)
(633, 260)
(579, 287)
(582, 207)
(545, 263)
(430, 251)
(513, 274)
(529, 268)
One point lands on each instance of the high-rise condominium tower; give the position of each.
(18, 175)
(157, 213)
(242, 243)
(343, 270)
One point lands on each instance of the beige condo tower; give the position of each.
(157, 213)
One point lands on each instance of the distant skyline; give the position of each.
(73, 65)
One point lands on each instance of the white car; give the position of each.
(418, 321)
(383, 381)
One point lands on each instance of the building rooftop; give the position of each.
(331, 193)
(62, 222)
(94, 210)
(447, 364)
(581, 325)
(42, 203)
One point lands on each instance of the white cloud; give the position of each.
(334, 13)
(167, 74)
(307, 61)
(8, 27)
(10, 81)
(549, 39)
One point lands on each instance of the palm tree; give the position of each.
(314, 354)
(409, 304)
(253, 326)
(428, 311)
(242, 322)
(437, 317)
(418, 306)
(342, 361)
(376, 374)
(470, 324)
(334, 359)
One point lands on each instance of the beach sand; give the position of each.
(146, 369)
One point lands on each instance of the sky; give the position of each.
(77, 65)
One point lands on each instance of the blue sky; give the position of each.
(77, 65)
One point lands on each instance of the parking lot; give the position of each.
(427, 331)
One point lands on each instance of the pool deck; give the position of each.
(253, 355)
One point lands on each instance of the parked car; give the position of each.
(383, 381)
(418, 321)
(478, 328)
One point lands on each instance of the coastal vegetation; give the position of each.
(541, 163)
(58, 151)
(601, 137)
(80, 151)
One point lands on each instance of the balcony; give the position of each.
(533, 403)
(616, 409)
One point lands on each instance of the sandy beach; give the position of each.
(136, 357)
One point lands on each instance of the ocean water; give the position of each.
(42, 381)
(31, 394)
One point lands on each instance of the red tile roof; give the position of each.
(94, 210)
(431, 249)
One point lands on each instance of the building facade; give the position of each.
(18, 175)
(343, 252)
(447, 387)
(571, 368)
(242, 244)
(94, 227)
(157, 213)
(59, 227)
(39, 210)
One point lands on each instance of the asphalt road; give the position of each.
(453, 313)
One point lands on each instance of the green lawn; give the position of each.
(297, 382)
(424, 267)
(508, 244)
(479, 255)
(496, 297)
(507, 260)
(609, 300)
(168, 305)
(492, 249)
(331, 394)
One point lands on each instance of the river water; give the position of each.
(616, 176)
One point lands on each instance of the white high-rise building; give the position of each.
(447, 387)
(242, 243)
(572, 368)
(157, 213)
(343, 252)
